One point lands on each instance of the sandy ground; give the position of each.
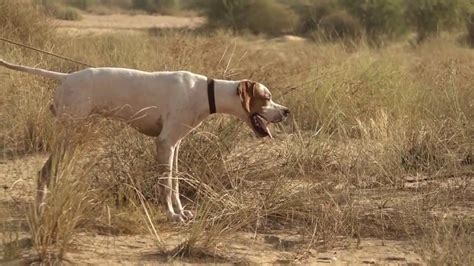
(125, 23)
(17, 180)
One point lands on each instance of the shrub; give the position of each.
(340, 26)
(81, 4)
(67, 13)
(380, 19)
(469, 20)
(257, 16)
(152, 6)
(470, 29)
(428, 17)
(311, 12)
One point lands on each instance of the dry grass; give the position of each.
(380, 142)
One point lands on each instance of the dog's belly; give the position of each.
(148, 126)
(146, 120)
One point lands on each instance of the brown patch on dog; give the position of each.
(251, 96)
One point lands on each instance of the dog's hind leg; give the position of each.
(165, 152)
(175, 182)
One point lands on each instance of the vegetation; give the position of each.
(379, 145)
(469, 21)
(380, 19)
(339, 26)
(156, 6)
(257, 16)
(429, 17)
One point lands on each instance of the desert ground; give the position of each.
(93, 24)
(285, 246)
(382, 188)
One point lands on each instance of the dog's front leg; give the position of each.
(165, 153)
(177, 202)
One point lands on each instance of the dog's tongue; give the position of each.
(264, 126)
(268, 132)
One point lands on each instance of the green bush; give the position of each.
(429, 17)
(469, 20)
(340, 26)
(67, 13)
(311, 12)
(381, 19)
(160, 6)
(470, 29)
(257, 16)
(81, 4)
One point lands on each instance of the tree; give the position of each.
(429, 17)
(257, 16)
(380, 18)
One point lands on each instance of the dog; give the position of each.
(164, 105)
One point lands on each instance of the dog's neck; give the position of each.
(226, 98)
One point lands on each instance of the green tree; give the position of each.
(340, 26)
(311, 12)
(380, 18)
(429, 17)
(258, 16)
(469, 20)
(160, 6)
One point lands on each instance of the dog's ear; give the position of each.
(246, 91)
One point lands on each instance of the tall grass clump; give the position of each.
(24, 21)
(448, 242)
(27, 121)
(69, 200)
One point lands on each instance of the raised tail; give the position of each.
(35, 71)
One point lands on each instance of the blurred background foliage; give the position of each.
(374, 21)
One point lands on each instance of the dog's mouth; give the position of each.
(259, 126)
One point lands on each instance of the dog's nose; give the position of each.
(286, 112)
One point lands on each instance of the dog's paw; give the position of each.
(187, 214)
(175, 217)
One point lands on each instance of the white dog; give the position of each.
(164, 105)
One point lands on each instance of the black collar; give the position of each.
(210, 95)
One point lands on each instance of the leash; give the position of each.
(44, 52)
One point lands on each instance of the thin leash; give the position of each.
(44, 52)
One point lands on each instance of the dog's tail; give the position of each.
(35, 71)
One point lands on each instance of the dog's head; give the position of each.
(259, 107)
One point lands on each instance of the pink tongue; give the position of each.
(268, 132)
(264, 126)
